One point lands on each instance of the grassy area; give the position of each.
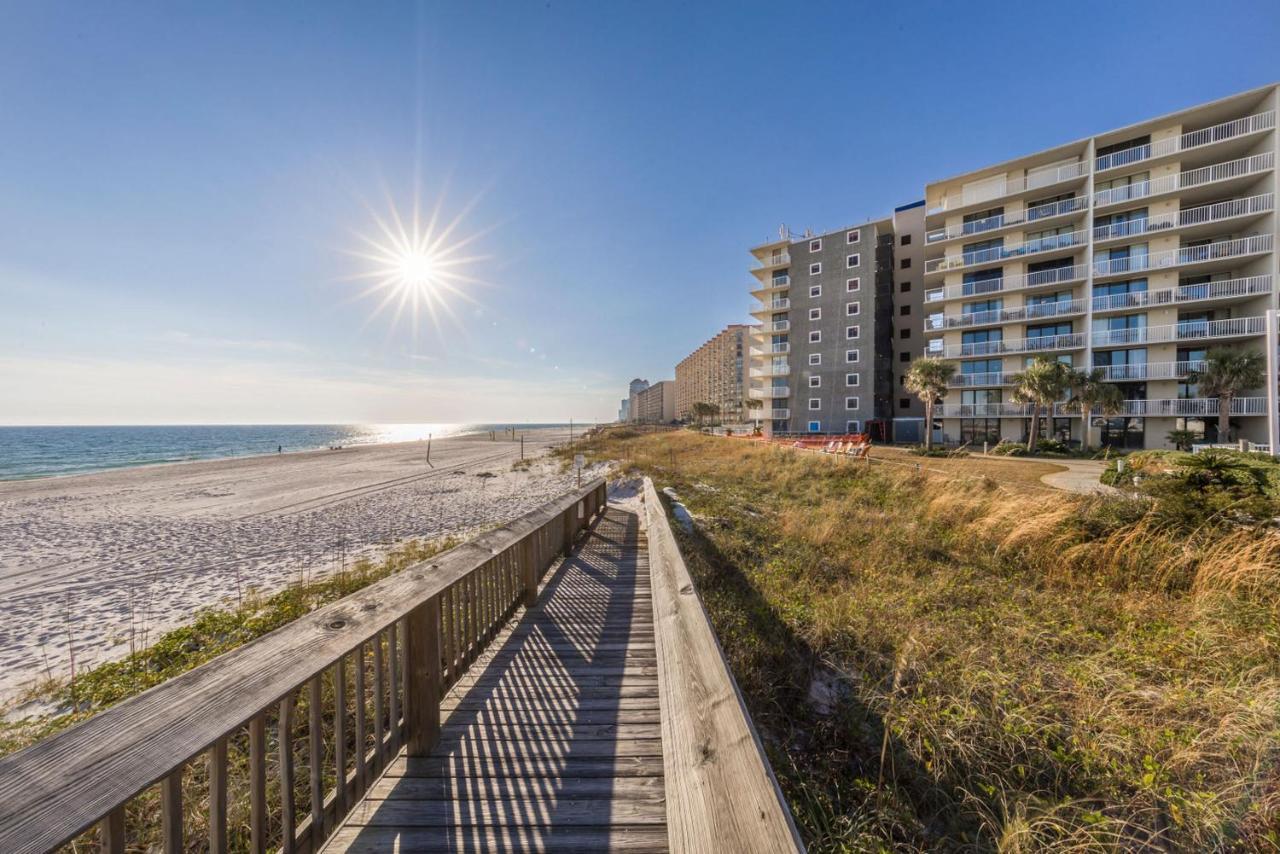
(942, 663)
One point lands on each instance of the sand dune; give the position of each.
(137, 551)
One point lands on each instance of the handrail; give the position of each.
(1254, 244)
(721, 793)
(432, 619)
(1052, 243)
(1224, 171)
(1154, 408)
(1049, 210)
(1187, 141)
(1187, 217)
(1225, 289)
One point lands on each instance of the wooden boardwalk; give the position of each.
(553, 739)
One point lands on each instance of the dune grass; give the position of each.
(952, 664)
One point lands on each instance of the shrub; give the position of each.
(920, 451)
(1052, 447)
(1009, 449)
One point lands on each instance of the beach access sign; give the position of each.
(579, 461)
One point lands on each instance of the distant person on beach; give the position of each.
(279, 449)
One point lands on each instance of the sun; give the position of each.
(414, 269)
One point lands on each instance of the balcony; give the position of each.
(1187, 141)
(972, 290)
(991, 378)
(778, 369)
(1069, 341)
(1037, 214)
(781, 259)
(1188, 255)
(1229, 289)
(770, 350)
(776, 414)
(768, 306)
(1203, 215)
(1194, 330)
(1006, 315)
(777, 326)
(1150, 371)
(1214, 174)
(1000, 254)
(1182, 407)
(770, 392)
(1034, 180)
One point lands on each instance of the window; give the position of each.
(852, 309)
(904, 403)
(850, 356)
(815, 336)
(850, 403)
(815, 245)
(904, 356)
(904, 288)
(853, 260)
(815, 426)
(852, 285)
(815, 403)
(815, 358)
(852, 379)
(853, 236)
(815, 381)
(815, 314)
(905, 241)
(905, 264)
(852, 332)
(904, 333)
(851, 427)
(815, 290)
(904, 310)
(815, 268)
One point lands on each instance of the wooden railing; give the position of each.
(368, 671)
(720, 789)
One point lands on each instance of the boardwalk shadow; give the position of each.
(552, 739)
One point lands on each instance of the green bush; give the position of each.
(1009, 449)
(919, 451)
(1052, 447)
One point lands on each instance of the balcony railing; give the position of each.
(1191, 216)
(1185, 180)
(770, 350)
(990, 378)
(769, 392)
(1069, 341)
(1192, 330)
(779, 260)
(1187, 141)
(778, 369)
(1003, 253)
(1160, 408)
(777, 414)
(1150, 370)
(1222, 249)
(778, 326)
(1228, 289)
(1033, 214)
(1004, 315)
(1034, 180)
(780, 281)
(1055, 276)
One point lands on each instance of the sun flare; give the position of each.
(416, 269)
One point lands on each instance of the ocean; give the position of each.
(30, 452)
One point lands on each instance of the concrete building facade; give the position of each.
(655, 404)
(633, 392)
(715, 373)
(824, 354)
(1134, 251)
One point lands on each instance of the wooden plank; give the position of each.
(456, 767)
(288, 815)
(422, 678)
(574, 731)
(379, 692)
(479, 746)
(64, 784)
(472, 812)
(499, 715)
(113, 836)
(362, 730)
(258, 783)
(721, 793)
(315, 761)
(171, 812)
(520, 704)
(517, 788)
(218, 797)
(379, 840)
(340, 730)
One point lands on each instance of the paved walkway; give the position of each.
(553, 740)
(1081, 476)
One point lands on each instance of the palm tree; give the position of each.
(928, 380)
(1092, 393)
(1228, 374)
(1042, 384)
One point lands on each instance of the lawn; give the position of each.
(943, 663)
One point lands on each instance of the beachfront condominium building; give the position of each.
(715, 373)
(1135, 251)
(633, 392)
(655, 404)
(826, 350)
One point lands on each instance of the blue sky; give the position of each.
(182, 183)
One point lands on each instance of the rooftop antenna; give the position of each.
(782, 231)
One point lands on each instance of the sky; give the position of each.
(185, 188)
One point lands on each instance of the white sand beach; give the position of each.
(97, 559)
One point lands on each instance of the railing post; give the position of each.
(529, 568)
(568, 519)
(422, 677)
